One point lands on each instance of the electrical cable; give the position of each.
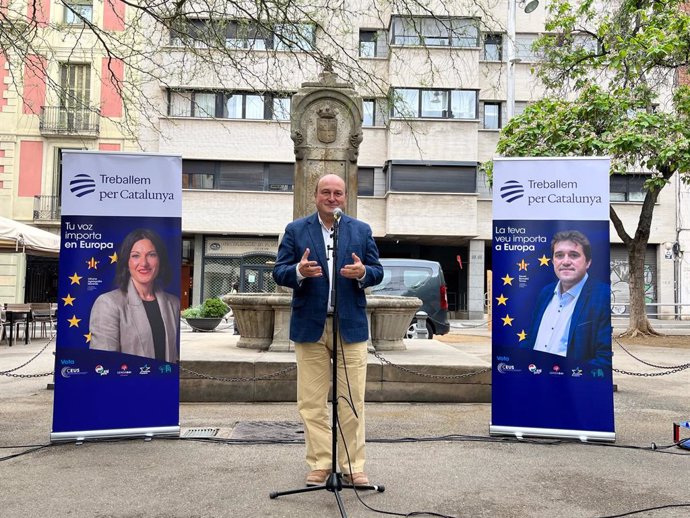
(380, 511)
(25, 452)
(637, 511)
(444, 438)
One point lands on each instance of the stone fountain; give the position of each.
(326, 128)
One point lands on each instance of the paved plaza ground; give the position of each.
(455, 469)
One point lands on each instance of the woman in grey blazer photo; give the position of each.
(138, 317)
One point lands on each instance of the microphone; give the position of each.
(337, 213)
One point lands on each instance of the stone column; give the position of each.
(326, 128)
(475, 280)
(198, 269)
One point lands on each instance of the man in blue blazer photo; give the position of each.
(305, 264)
(572, 316)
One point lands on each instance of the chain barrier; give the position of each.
(9, 374)
(463, 326)
(668, 369)
(241, 380)
(426, 375)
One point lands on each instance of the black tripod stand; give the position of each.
(334, 482)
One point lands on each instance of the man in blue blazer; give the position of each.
(304, 263)
(572, 317)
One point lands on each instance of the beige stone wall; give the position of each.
(251, 213)
(11, 278)
(431, 214)
(427, 139)
(238, 140)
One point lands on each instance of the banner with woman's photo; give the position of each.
(551, 317)
(118, 333)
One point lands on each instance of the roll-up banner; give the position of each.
(551, 322)
(118, 333)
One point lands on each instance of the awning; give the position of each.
(18, 237)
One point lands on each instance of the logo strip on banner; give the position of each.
(118, 336)
(551, 322)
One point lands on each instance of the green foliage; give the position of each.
(211, 308)
(611, 77)
(214, 308)
(611, 96)
(192, 312)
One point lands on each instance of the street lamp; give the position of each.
(528, 7)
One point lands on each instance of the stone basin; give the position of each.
(263, 320)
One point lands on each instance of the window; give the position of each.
(523, 47)
(492, 115)
(435, 32)
(76, 11)
(192, 104)
(229, 105)
(75, 96)
(408, 176)
(365, 181)
(198, 174)
(281, 177)
(204, 104)
(426, 103)
(374, 112)
(628, 187)
(373, 43)
(253, 106)
(238, 176)
(192, 32)
(294, 36)
(75, 85)
(180, 104)
(281, 108)
(493, 47)
(247, 35)
(243, 34)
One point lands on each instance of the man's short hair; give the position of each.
(576, 237)
(316, 187)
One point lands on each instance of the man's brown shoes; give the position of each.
(356, 479)
(318, 477)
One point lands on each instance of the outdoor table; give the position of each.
(15, 315)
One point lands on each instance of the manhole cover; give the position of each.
(200, 432)
(268, 431)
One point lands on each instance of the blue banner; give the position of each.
(551, 317)
(117, 349)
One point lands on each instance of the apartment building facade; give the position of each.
(58, 91)
(435, 87)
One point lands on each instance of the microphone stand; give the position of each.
(334, 482)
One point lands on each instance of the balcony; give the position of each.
(46, 208)
(80, 122)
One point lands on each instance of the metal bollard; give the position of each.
(421, 331)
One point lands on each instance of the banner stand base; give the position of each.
(118, 433)
(553, 433)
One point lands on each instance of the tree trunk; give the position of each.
(639, 323)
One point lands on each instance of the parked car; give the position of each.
(418, 278)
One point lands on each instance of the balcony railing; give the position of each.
(46, 207)
(57, 120)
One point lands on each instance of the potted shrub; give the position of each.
(207, 316)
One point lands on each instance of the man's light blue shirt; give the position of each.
(554, 327)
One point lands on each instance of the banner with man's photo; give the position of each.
(551, 317)
(118, 341)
